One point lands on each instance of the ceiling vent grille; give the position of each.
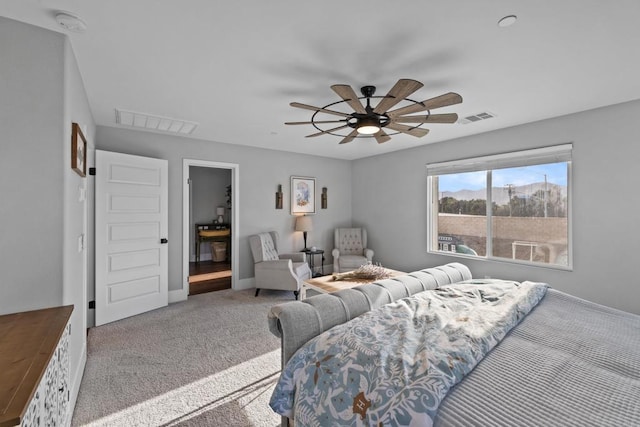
(477, 117)
(151, 122)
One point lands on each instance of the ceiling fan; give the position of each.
(368, 121)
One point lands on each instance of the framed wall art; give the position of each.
(303, 195)
(78, 150)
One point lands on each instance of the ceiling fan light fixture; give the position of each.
(376, 122)
(368, 126)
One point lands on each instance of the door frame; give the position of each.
(186, 229)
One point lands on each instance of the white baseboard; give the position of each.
(178, 295)
(181, 294)
(245, 284)
(77, 379)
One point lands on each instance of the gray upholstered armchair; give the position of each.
(274, 270)
(350, 249)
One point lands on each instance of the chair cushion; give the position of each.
(302, 270)
(269, 252)
(351, 262)
(350, 241)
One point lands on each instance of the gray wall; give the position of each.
(41, 210)
(260, 173)
(605, 194)
(76, 189)
(208, 191)
(31, 160)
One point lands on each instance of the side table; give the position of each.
(312, 254)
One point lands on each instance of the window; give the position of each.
(512, 206)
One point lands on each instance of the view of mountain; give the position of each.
(501, 194)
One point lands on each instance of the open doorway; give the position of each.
(210, 257)
(209, 226)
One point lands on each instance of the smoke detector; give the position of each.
(507, 21)
(71, 22)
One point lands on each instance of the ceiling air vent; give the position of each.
(476, 117)
(151, 122)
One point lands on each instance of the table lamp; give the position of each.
(220, 213)
(304, 224)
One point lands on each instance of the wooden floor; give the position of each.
(208, 276)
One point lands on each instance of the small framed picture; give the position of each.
(303, 195)
(78, 150)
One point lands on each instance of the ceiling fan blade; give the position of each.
(346, 92)
(417, 132)
(402, 89)
(317, 121)
(450, 98)
(350, 137)
(427, 118)
(326, 131)
(324, 110)
(381, 137)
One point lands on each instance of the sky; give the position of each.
(556, 174)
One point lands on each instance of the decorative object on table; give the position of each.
(323, 198)
(275, 270)
(279, 197)
(350, 250)
(220, 213)
(364, 272)
(78, 150)
(304, 224)
(303, 195)
(371, 122)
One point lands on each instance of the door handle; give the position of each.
(164, 241)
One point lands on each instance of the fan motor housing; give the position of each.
(356, 119)
(368, 91)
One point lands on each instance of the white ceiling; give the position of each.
(234, 66)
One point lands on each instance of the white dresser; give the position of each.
(34, 368)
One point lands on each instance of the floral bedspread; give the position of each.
(394, 365)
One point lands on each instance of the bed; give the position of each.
(512, 354)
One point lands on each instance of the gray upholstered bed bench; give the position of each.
(296, 322)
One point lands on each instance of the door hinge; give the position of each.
(92, 304)
(92, 171)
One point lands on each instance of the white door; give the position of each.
(131, 235)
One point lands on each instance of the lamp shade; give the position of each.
(303, 223)
(219, 211)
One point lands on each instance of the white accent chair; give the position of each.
(350, 249)
(277, 271)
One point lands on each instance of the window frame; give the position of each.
(537, 156)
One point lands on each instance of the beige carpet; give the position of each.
(208, 361)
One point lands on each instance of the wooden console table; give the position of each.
(212, 233)
(34, 367)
